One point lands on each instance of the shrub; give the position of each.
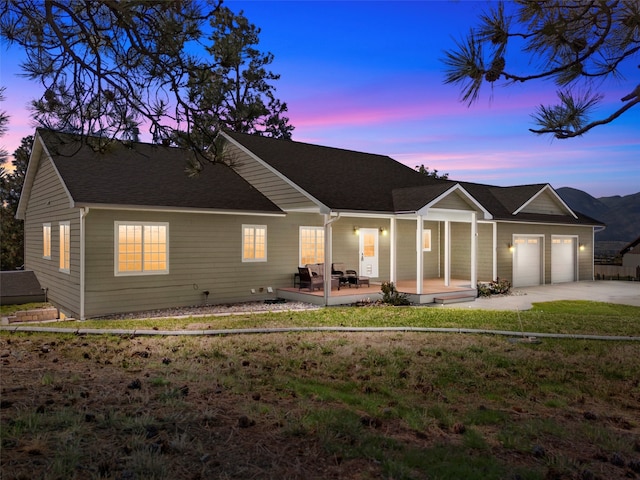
(391, 296)
(496, 287)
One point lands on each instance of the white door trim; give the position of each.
(368, 265)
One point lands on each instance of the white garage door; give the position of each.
(563, 259)
(527, 261)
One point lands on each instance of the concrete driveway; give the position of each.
(625, 293)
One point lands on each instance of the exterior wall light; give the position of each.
(511, 248)
(383, 230)
(581, 247)
(356, 230)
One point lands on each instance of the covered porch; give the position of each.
(428, 248)
(433, 291)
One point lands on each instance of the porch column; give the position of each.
(494, 269)
(328, 255)
(447, 253)
(474, 250)
(393, 255)
(419, 255)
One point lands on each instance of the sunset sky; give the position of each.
(368, 76)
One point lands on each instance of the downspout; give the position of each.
(83, 214)
(328, 253)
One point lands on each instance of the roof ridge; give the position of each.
(308, 144)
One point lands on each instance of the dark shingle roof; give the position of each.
(148, 175)
(357, 181)
(369, 182)
(502, 202)
(412, 199)
(154, 176)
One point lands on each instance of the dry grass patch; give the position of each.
(318, 405)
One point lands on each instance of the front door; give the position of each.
(368, 252)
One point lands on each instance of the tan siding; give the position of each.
(268, 183)
(406, 258)
(406, 254)
(460, 250)
(204, 254)
(49, 203)
(505, 238)
(346, 244)
(432, 265)
(453, 201)
(485, 252)
(545, 204)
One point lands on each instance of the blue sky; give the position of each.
(367, 76)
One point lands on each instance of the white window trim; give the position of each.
(254, 227)
(142, 272)
(46, 230)
(63, 241)
(427, 232)
(300, 241)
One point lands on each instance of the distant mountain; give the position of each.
(620, 214)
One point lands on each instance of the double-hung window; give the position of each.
(141, 248)
(254, 243)
(46, 241)
(311, 245)
(65, 247)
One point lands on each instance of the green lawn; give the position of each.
(568, 317)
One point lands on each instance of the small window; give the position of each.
(426, 240)
(46, 241)
(254, 243)
(65, 247)
(141, 248)
(311, 245)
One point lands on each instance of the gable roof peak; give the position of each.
(143, 175)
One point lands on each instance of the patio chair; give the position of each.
(307, 280)
(343, 275)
